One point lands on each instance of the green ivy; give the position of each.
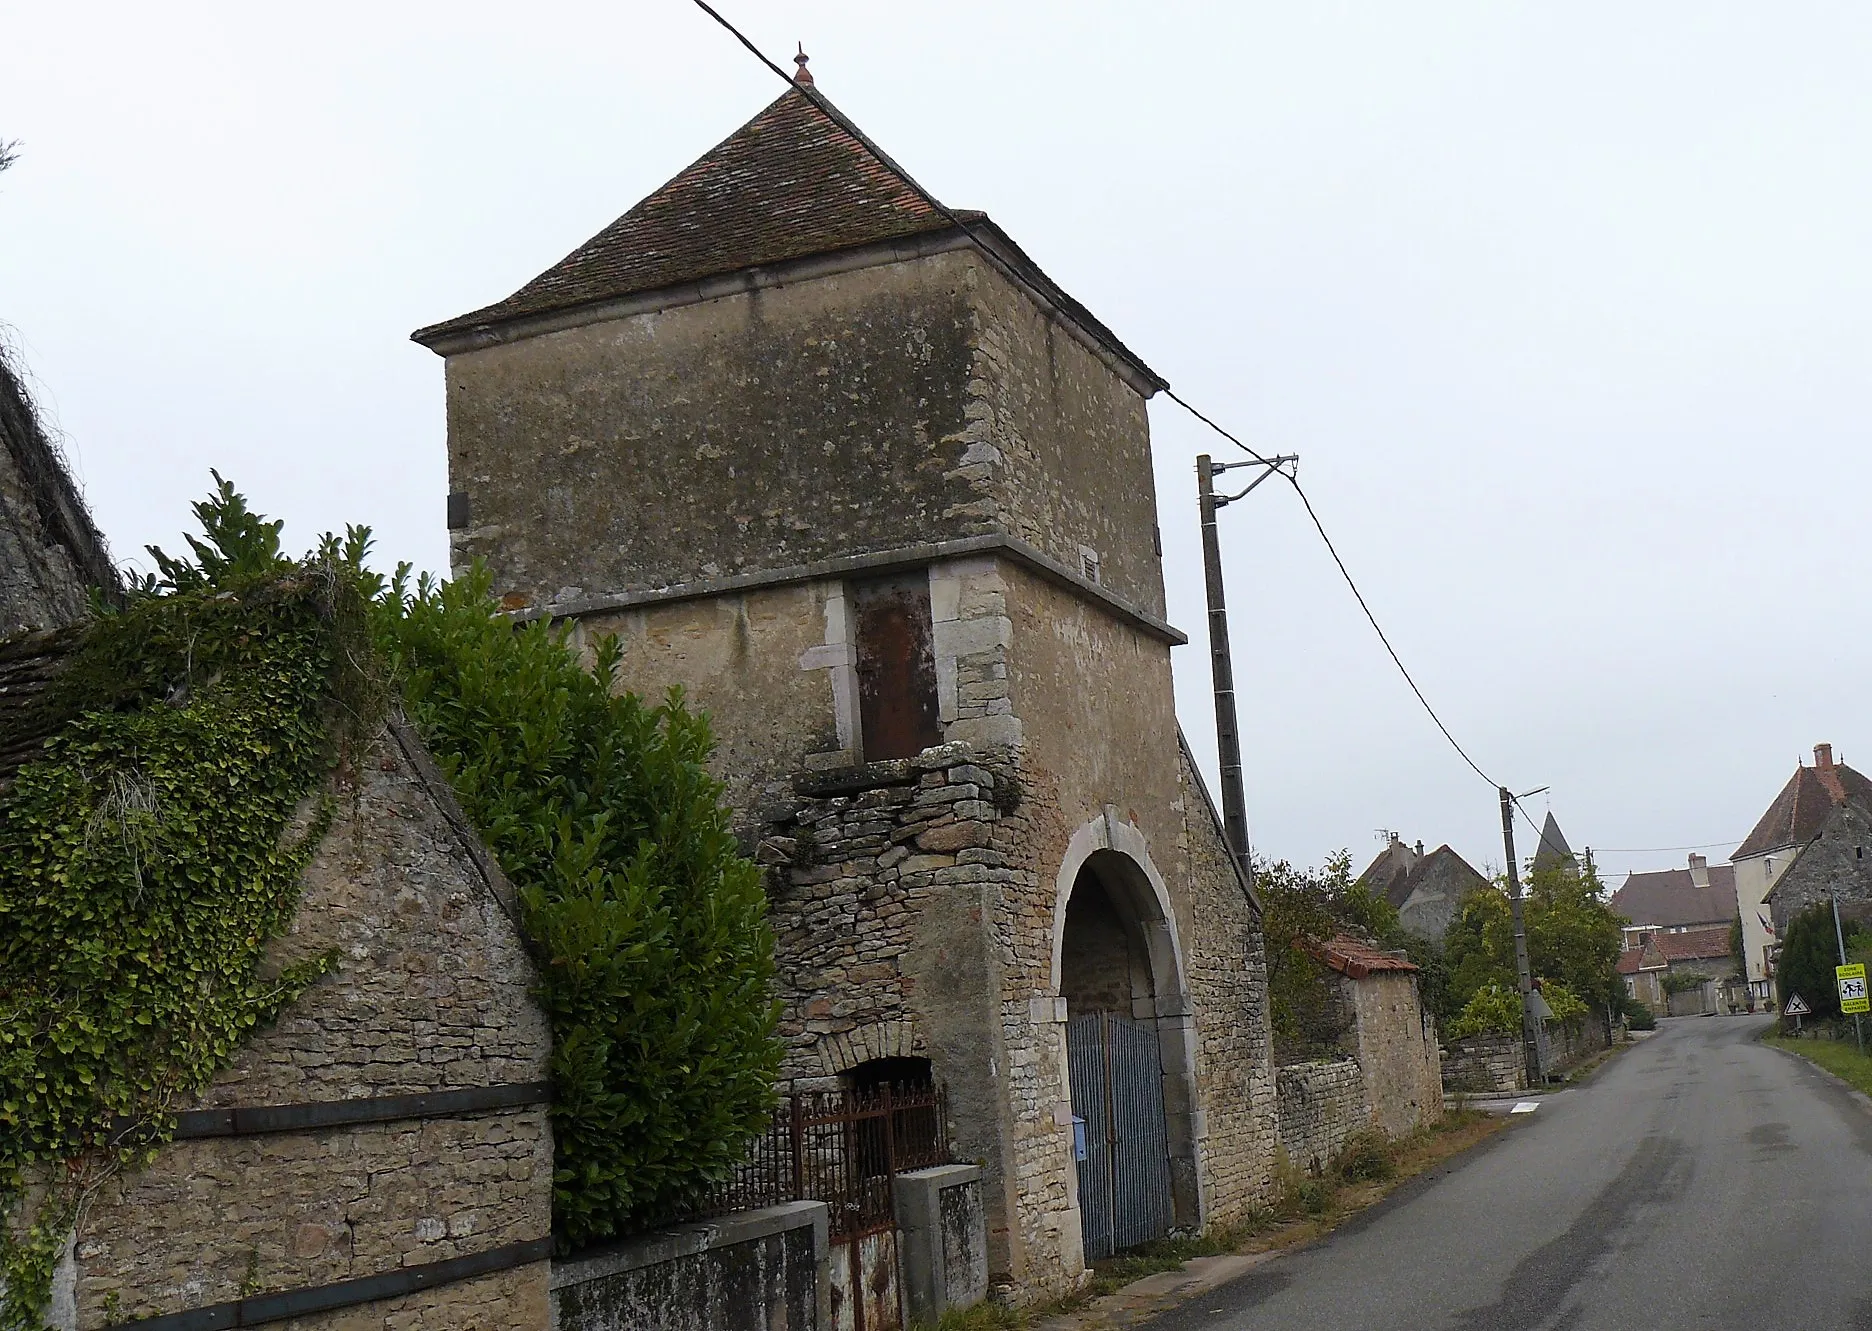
(150, 853)
(649, 924)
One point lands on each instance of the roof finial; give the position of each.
(805, 74)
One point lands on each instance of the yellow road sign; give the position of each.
(1852, 988)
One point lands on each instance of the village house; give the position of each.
(1427, 890)
(1822, 819)
(1678, 972)
(877, 493)
(1700, 896)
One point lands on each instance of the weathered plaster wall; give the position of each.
(431, 992)
(1754, 877)
(1322, 1103)
(1397, 1051)
(756, 431)
(751, 661)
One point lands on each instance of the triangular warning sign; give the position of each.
(1796, 1008)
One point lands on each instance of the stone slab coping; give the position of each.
(667, 1245)
(943, 1176)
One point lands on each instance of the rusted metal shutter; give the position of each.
(897, 712)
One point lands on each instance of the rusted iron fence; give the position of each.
(842, 1148)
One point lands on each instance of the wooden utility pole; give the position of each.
(1222, 671)
(1530, 1046)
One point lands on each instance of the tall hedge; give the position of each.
(649, 924)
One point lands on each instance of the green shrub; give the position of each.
(1565, 1004)
(1494, 1010)
(649, 924)
(1638, 1016)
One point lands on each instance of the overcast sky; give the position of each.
(1565, 307)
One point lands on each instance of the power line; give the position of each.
(1037, 278)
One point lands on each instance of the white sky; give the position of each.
(1564, 307)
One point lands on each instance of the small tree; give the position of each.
(1809, 952)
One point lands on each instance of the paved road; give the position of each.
(1701, 1180)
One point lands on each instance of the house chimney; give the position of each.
(1823, 756)
(1699, 869)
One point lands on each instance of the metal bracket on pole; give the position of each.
(1222, 671)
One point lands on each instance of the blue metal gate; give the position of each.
(1116, 1074)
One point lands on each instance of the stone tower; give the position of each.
(878, 495)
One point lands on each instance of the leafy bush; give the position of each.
(1682, 982)
(1566, 1005)
(1638, 1015)
(649, 924)
(1493, 1010)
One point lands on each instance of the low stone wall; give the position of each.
(943, 1240)
(761, 1268)
(1484, 1065)
(1569, 1045)
(1320, 1105)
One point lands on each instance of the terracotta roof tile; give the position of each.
(1694, 944)
(1357, 959)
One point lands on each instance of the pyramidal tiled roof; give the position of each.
(1803, 806)
(794, 181)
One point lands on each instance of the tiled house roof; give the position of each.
(1670, 897)
(1646, 958)
(1805, 803)
(1694, 944)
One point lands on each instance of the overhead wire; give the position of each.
(1037, 278)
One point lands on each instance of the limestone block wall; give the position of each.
(1322, 1103)
(1478, 1064)
(50, 553)
(430, 996)
(1397, 1051)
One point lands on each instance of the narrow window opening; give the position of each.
(897, 708)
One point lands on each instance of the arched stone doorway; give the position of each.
(1118, 967)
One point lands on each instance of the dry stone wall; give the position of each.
(1322, 1103)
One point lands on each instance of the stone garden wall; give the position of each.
(1321, 1104)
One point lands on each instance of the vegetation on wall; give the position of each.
(1303, 908)
(649, 924)
(155, 847)
(149, 855)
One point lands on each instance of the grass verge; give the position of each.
(1368, 1169)
(1840, 1057)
